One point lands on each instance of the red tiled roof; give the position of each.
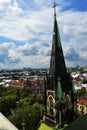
(82, 102)
(26, 82)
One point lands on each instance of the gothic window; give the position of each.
(50, 104)
(68, 101)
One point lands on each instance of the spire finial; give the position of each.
(54, 9)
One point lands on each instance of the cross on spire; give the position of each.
(54, 9)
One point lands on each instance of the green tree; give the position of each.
(29, 116)
(17, 118)
(25, 93)
(3, 108)
(39, 98)
(27, 101)
(7, 103)
(36, 115)
(1, 90)
(9, 91)
(80, 92)
(85, 81)
(24, 102)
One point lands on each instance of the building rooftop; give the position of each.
(83, 102)
(79, 124)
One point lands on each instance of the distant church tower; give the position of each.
(58, 89)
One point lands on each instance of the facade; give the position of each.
(19, 84)
(34, 85)
(82, 106)
(58, 92)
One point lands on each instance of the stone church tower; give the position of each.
(58, 89)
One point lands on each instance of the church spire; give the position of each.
(57, 86)
(57, 63)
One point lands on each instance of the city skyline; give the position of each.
(26, 30)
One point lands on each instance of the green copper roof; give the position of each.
(73, 87)
(59, 90)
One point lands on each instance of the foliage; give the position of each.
(16, 118)
(10, 92)
(25, 93)
(14, 77)
(1, 90)
(39, 98)
(21, 108)
(29, 116)
(1, 87)
(7, 103)
(84, 81)
(80, 92)
(26, 101)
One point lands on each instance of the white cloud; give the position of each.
(26, 25)
(73, 29)
(23, 26)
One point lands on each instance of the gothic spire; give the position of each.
(57, 63)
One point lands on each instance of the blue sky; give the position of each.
(26, 29)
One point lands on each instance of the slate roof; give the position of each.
(79, 124)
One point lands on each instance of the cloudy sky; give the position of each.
(26, 29)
